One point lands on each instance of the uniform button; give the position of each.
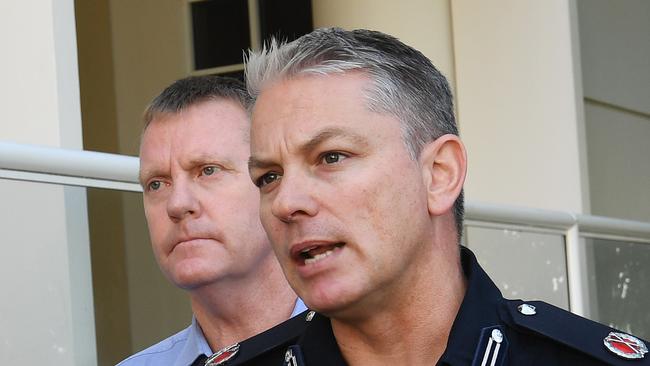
(310, 316)
(527, 309)
(497, 335)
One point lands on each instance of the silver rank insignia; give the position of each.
(222, 355)
(293, 356)
(625, 345)
(492, 347)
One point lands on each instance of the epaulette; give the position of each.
(588, 337)
(276, 339)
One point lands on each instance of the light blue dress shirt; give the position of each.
(182, 348)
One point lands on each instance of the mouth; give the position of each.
(189, 241)
(310, 254)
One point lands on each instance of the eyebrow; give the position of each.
(200, 158)
(322, 136)
(144, 175)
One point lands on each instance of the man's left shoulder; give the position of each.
(558, 333)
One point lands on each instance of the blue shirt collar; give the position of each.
(197, 345)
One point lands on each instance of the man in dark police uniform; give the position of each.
(356, 154)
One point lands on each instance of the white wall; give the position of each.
(519, 103)
(47, 309)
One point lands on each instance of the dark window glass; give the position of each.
(286, 19)
(220, 32)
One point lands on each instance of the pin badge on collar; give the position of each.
(527, 309)
(625, 345)
(310, 315)
(222, 355)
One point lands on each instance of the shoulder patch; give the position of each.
(563, 327)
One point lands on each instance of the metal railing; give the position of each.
(119, 172)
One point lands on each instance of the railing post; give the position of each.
(575, 271)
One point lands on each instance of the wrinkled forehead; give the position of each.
(294, 116)
(226, 113)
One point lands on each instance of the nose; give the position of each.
(294, 199)
(182, 201)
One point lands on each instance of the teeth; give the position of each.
(318, 257)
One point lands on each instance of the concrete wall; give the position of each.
(105, 208)
(424, 24)
(149, 43)
(616, 62)
(519, 103)
(47, 307)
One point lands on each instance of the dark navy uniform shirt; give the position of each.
(488, 330)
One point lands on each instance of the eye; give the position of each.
(154, 185)
(209, 170)
(332, 157)
(267, 179)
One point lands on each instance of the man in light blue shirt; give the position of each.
(203, 215)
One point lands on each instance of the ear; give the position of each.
(444, 165)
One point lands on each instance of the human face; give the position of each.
(343, 203)
(201, 207)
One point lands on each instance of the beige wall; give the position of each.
(105, 218)
(424, 24)
(128, 51)
(518, 103)
(149, 52)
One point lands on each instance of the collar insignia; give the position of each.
(625, 345)
(293, 356)
(223, 355)
(492, 347)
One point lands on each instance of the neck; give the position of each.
(236, 309)
(414, 329)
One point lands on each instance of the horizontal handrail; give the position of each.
(90, 168)
(68, 162)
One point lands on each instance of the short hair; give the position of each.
(192, 90)
(404, 83)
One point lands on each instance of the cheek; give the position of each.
(156, 222)
(269, 221)
(388, 205)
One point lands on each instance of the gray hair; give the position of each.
(192, 90)
(405, 84)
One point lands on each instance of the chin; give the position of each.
(330, 301)
(189, 277)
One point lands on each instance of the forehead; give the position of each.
(200, 125)
(300, 105)
(209, 132)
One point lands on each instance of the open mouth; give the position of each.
(315, 253)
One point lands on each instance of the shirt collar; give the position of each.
(197, 345)
(479, 309)
(298, 308)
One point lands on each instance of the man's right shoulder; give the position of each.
(269, 347)
(158, 353)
